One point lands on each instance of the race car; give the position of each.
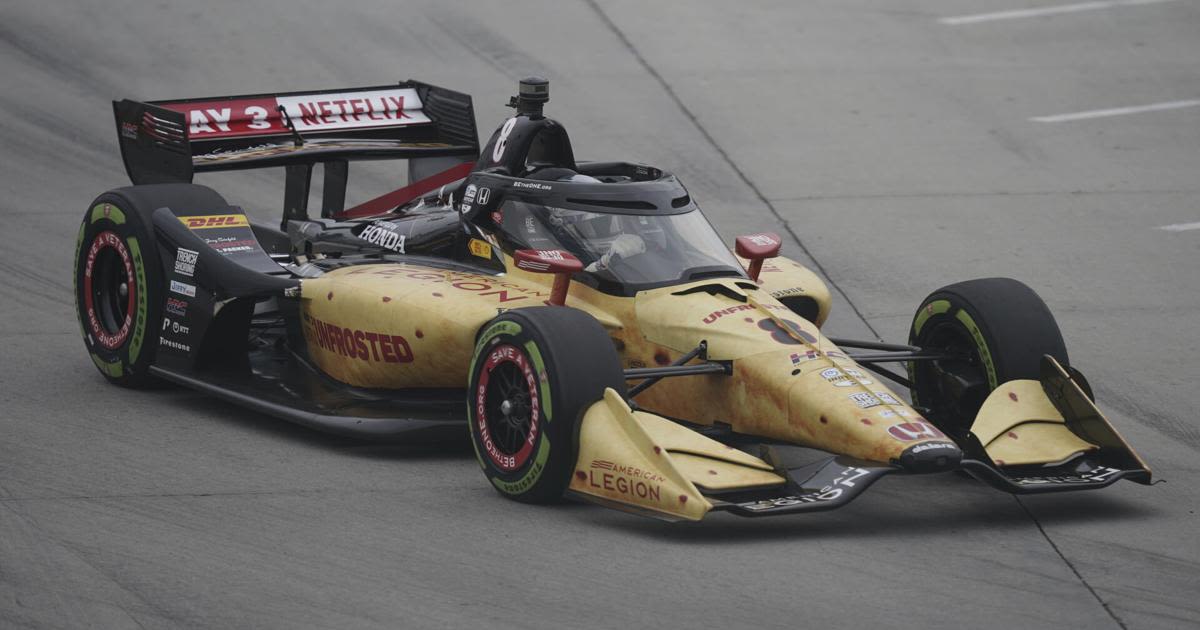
(581, 320)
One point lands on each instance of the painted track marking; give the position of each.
(1043, 11)
(1117, 111)
(1180, 227)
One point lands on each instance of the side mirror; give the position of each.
(757, 248)
(560, 263)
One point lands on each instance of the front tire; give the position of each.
(534, 374)
(999, 328)
(119, 283)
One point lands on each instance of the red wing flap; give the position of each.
(386, 202)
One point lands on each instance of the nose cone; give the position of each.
(930, 457)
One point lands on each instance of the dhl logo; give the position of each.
(215, 221)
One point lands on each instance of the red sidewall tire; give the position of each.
(118, 290)
(548, 365)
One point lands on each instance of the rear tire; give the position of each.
(535, 372)
(119, 283)
(1001, 329)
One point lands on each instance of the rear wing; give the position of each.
(170, 141)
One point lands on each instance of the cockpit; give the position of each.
(626, 241)
(633, 227)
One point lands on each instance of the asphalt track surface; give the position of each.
(898, 154)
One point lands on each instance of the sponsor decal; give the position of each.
(847, 378)
(833, 375)
(782, 293)
(846, 480)
(176, 307)
(358, 344)
(546, 257)
(485, 193)
(174, 345)
(931, 446)
(913, 431)
(469, 193)
(887, 398)
(481, 285)
(807, 355)
(762, 240)
(627, 480)
(235, 246)
(384, 234)
(110, 240)
(782, 336)
(185, 262)
(308, 113)
(507, 353)
(231, 244)
(552, 256)
(215, 221)
(864, 400)
(183, 288)
(502, 139)
(715, 315)
(480, 248)
(530, 226)
(1092, 476)
(129, 130)
(533, 185)
(174, 326)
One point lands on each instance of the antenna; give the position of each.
(287, 121)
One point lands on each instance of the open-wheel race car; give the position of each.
(597, 334)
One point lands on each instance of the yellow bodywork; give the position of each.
(1019, 425)
(1046, 422)
(637, 460)
(789, 383)
(407, 325)
(430, 314)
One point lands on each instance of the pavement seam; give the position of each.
(687, 112)
(1070, 565)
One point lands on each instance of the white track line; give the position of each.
(1043, 11)
(1180, 227)
(1118, 111)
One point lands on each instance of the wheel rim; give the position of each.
(109, 290)
(507, 407)
(951, 389)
